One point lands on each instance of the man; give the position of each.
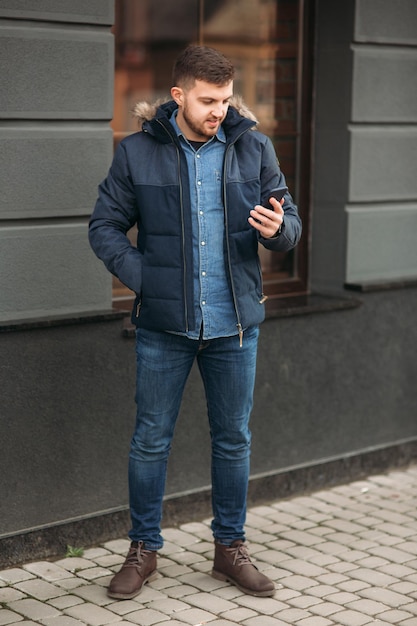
(193, 179)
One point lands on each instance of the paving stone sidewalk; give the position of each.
(345, 556)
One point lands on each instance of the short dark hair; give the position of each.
(202, 63)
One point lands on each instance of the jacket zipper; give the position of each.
(182, 231)
(239, 324)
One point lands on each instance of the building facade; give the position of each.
(334, 86)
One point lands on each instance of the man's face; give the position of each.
(202, 108)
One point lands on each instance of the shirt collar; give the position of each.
(220, 135)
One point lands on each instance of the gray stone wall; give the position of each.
(56, 68)
(330, 386)
(365, 200)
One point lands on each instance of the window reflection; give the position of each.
(261, 39)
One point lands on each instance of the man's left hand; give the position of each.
(267, 221)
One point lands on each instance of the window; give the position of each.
(270, 44)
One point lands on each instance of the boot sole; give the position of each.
(261, 594)
(129, 596)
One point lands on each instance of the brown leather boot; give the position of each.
(138, 569)
(233, 565)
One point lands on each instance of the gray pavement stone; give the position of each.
(368, 607)
(303, 537)
(408, 546)
(202, 581)
(34, 609)
(222, 622)
(120, 546)
(15, 575)
(334, 548)
(314, 621)
(228, 592)
(332, 579)
(299, 566)
(94, 572)
(298, 583)
(397, 570)
(352, 618)
(73, 564)
(263, 620)
(9, 617)
(405, 588)
(352, 585)
(61, 620)
(342, 567)
(26, 623)
(65, 601)
(391, 598)
(372, 562)
(179, 591)
(70, 583)
(411, 608)
(392, 554)
(187, 558)
(238, 615)
(111, 561)
(40, 589)
(169, 606)
(195, 617)
(177, 537)
(165, 622)
(93, 593)
(293, 615)
(47, 571)
(92, 614)
(265, 606)
(342, 597)
(303, 601)
(378, 579)
(209, 602)
(122, 608)
(326, 609)
(322, 591)
(395, 616)
(94, 553)
(9, 594)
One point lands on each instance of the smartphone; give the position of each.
(278, 193)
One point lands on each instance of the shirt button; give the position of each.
(203, 302)
(203, 243)
(199, 182)
(203, 273)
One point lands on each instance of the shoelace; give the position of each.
(136, 556)
(240, 555)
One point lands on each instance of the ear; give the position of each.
(177, 95)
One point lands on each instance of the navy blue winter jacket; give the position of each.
(148, 185)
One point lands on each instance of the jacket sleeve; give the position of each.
(114, 214)
(272, 176)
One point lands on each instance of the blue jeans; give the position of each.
(228, 371)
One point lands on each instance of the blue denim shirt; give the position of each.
(213, 302)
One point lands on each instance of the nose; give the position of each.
(219, 110)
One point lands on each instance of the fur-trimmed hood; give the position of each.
(146, 111)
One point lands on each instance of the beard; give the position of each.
(200, 128)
